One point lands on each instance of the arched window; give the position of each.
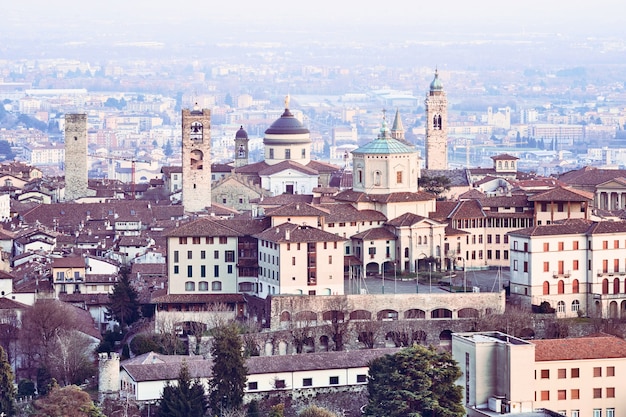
(575, 287)
(546, 288)
(190, 286)
(216, 286)
(359, 176)
(425, 240)
(196, 159)
(406, 252)
(560, 307)
(561, 287)
(377, 177)
(605, 286)
(575, 305)
(203, 286)
(616, 286)
(419, 240)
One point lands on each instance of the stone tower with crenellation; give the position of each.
(76, 180)
(436, 126)
(196, 155)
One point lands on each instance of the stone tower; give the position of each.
(241, 148)
(76, 181)
(436, 126)
(108, 375)
(196, 155)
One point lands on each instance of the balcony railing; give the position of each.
(561, 274)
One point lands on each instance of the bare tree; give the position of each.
(71, 359)
(301, 333)
(337, 317)
(369, 332)
(513, 321)
(9, 333)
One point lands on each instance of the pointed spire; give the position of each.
(397, 129)
(384, 130)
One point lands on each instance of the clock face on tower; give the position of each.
(195, 131)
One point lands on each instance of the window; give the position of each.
(574, 394)
(330, 259)
(545, 395)
(575, 413)
(203, 271)
(597, 393)
(230, 255)
(399, 177)
(605, 244)
(229, 269)
(176, 269)
(562, 373)
(610, 371)
(575, 265)
(546, 267)
(279, 383)
(546, 247)
(253, 386)
(597, 371)
(575, 305)
(216, 286)
(562, 394)
(202, 254)
(575, 245)
(575, 286)
(610, 412)
(575, 373)
(189, 271)
(361, 378)
(182, 240)
(610, 392)
(209, 240)
(175, 256)
(223, 240)
(303, 153)
(203, 286)
(189, 254)
(190, 286)
(334, 380)
(287, 153)
(195, 240)
(560, 307)
(545, 373)
(216, 270)
(561, 245)
(307, 382)
(597, 412)
(271, 156)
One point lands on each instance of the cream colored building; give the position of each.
(574, 377)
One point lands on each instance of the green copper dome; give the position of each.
(384, 144)
(436, 85)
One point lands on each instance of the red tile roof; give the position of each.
(598, 347)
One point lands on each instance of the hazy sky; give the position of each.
(189, 17)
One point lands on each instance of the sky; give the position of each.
(189, 18)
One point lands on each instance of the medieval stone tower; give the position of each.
(196, 155)
(241, 148)
(76, 181)
(108, 375)
(436, 126)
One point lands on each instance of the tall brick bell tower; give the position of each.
(196, 154)
(76, 180)
(436, 126)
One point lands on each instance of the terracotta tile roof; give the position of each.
(323, 167)
(451, 231)
(468, 209)
(8, 304)
(221, 168)
(407, 219)
(101, 278)
(252, 168)
(567, 227)
(286, 165)
(442, 210)
(562, 194)
(204, 226)
(85, 299)
(343, 212)
(504, 157)
(288, 232)
(486, 180)
(68, 262)
(472, 194)
(505, 201)
(283, 199)
(590, 176)
(378, 233)
(169, 170)
(598, 347)
(355, 196)
(608, 228)
(297, 209)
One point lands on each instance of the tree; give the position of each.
(7, 390)
(68, 401)
(229, 373)
(124, 301)
(338, 318)
(186, 398)
(71, 360)
(436, 185)
(415, 382)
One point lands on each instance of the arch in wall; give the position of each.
(605, 286)
(445, 338)
(305, 316)
(387, 314)
(372, 268)
(613, 310)
(414, 313)
(467, 313)
(285, 316)
(333, 316)
(622, 309)
(616, 286)
(324, 343)
(360, 315)
(527, 333)
(441, 313)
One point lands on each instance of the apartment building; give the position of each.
(576, 266)
(573, 377)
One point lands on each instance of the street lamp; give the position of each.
(383, 277)
(464, 277)
(430, 276)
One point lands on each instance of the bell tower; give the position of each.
(241, 148)
(196, 155)
(436, 126)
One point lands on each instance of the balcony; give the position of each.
(561, 274)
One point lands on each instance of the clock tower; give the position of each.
(436, 126)
(196, 155)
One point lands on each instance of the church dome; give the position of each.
(436, 85)
(287, 125)
(241, 134)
